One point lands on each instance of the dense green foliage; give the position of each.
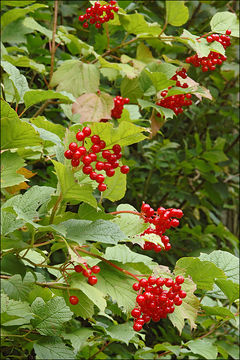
(52, 215)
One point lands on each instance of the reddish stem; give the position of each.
(107, 261)
(209, 33)
(125, 212)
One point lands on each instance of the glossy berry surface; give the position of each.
(73, 300)
(99, 14)
(92, 280)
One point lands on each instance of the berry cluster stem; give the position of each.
(78, 248)
(125, 212)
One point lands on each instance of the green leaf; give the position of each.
(201, 47)
(136, 24)
(131, 88)
(18, 80)
(78, 337)
(14, 14)
(24, 61)
(87, 212)
(223, 21)
(14, 132)
(122, 332)
(14, 313)
(65, 78)
(203, 273)
(9, 222)
(225, 261)
(218, 311)
(126, 69)
(36, 96)
(43, 123)
(50, 316)
(229, 288)
(117, 285)
(10, 163)
(214, 156)
(129, 223)
(18, 3)
(116, 186)
(30, 23)
(123, 254)
(70, 189)
(203, 347)
(76, 45)
(125, 134)
(159, 80)
(94, 294)
(93, 107)
(144, 54)
(188, 309)
(16, 288)
(100, 231)
(11, 264)
(168, 113)
(176, 12)
(52, 347)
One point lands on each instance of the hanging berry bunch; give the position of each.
(119, 103)
(79, 154)
(156, 299)
(213, 58)
(176, 102)
(99, 14)
(160, 221)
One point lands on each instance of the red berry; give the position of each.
(92, 280)
(93, 175)
(100, 165)
(73, 146)
(86, 130)
(140, 299)
(124, 169)
(99, 178)
(68, 154)
(145, 208)
(137, 326)
(81, 18)
(95, 269)
(152, 280)
(97, 25)
(228, 32)
(73, 300)
(126, 100)
(78, 268)
(107, 166)
(102, 187)
(116, 149)
(168, 247)
(85, 25)
(179, 279)
(86, 160)
(87, 272)
(87, 169)
(136, 286)
(136, 312)
(102, 144)
(110, 172)
(77, 155)
(209, 39)
(80, 136)
(82, 150)
(160, 281)
(177, 212)
(93, 156)
(106, 154)
(95, 139)
(174, 222)
(96, 148)
(75, 162)
(168, 282)
(143, 283)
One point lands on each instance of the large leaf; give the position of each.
(14, 14)
(177, 13)
(168, 113)
(36, 96)
(229, 288)
(18, 80)
(131, 88)
(50, 316)
(116, 186)
(14, 132)
(78, 337)
(203, 273)
(123, 254)
(129, 223)
(100, 231)
(13, 312)
(121, 332)
(43, 123)
(16, 287)
(136, 24)
(93, 107)
(52, 347)
(76, 77)
(10, 164)
(203, 347)
(24, 61)
(218, 311)
(223, 21)
(125, 69)
(159, 80)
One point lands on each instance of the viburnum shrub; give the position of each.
(77, 281)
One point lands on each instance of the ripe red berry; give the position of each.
(86, 130)
(99, 165)
(77, 155)
(110, 172)
(179, 279)
(87, 272)
(136, 286)
(177, 212)
(96, 148)
(152, 280)
(102, 187)
(68, 154)
(124, 169)
(78, 268)
(106, 154)
(102, 144)
(93, 156)
(82, 150)
(86, 160)
(137, 326)
(92, 280)
(160, 281)
(73, 300)
(75, 162)
(95, 269)
(87, 169)
(140, 299)
(209, 39)
(168, 282)
(228, 32)
(95, 139)
(143, 282)
(182, 294)
(80, 136)
(85, 25)
(116, 149)
(99, 178)
(73, 146)
(93, 175)
(168, 247)
(135, 312)
(174, 222)
(98, 25)
(81, 18)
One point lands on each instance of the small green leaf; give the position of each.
(177, 12)
(159, 80)
(218, 311)
(203, 347)
(168, 113)
(16, 288)
(131, 88)
(36, 96)
(65, 78)
(229, 288)
(136, 24)
(122, 332)
(116, 186)
(126, 69)
(78, 337)
(123, 254)
(214, 156)
(10, 163)
(129, 223)
(30, 23)
(223, 21)
(52, 347)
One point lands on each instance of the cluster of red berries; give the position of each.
(95, 14)
(87, 272)
(119, 103)
(79, 153)
(162, 219)
(213, 58)
(154, 302)
(176, 102)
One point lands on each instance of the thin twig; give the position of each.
(53, 39)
